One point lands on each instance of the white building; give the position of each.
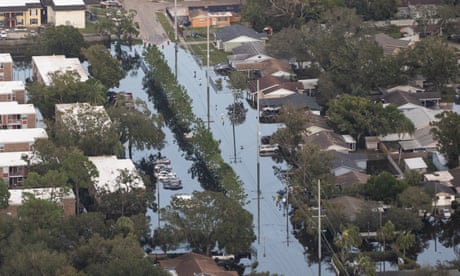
(67, 12)
(14, 140)
(110, 169)
(44, 66)
(12, 91)
(416, 164)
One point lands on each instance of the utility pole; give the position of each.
(175, 37)
(207, 68)
(319, 227)
(258, 167)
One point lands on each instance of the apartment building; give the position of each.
(6, 67)
(14, 115)
(14, 167)
(12, 91)
(16, 140)
(21, 13)
(44, 66)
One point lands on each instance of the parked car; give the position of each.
(224, 68)
(3, 34)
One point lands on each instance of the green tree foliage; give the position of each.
(213, 218)
(415, 197)
(359, 116)
(80, 172)
(348, 238)
(373, 9)
(404, 220)
(167, 238)
(434, 59)
(446, 131)
(405, 240)
(39, 213)
(121, 24)
(384, 187)
(59, 40)
(136, 125)
(65, 88)
(103, 66)
(386, 233)
(290, 136)
(4, 194)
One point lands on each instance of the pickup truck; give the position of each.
(223, 258)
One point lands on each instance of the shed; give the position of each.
(416, 164)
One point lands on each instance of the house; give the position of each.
(12, 91)
(390, 46)
(349, 162)
(181, 14)
(445, 195)
(400, 98)
(235, 35)
(194, 264)
(6, 67)
(418, 8)
(14, 166)
(268, 67)
(203, 19)
(350, 206)
(443, 177)
(350, 179)
(327, 140)
(63, 197)
(272, 87)
(110, 170)
(372, 142)
(416, 164)
(44, 66)
(309, 86)
(14, 115)
(251, 52)
(21, 13)
(14, 140)
(68, 13)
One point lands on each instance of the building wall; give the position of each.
(16, 147)
(73, 18)
(6, 71)
(200, 22)
(27, 121)
(26, 18)
(68, 206)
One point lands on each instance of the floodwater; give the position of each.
(277, 250)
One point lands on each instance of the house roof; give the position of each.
(295, 100)
(269, 84)
(8, 87)
(350, 178)
(267, 67)
(415, 163)
(325, 140)
(6, 58)
(18, 5)
(349, 160)
(250, 49)
(22, 135)
(191, 264)
(425, 138)
(390, 45)
(109, 168)
(349, 206)
(410, 145)
(438, 187)
(441, 176)
(233, 31)
(8, 108)
(74, 4)
(422, 116)
(317, 121)
(47, 65)
(53, 194)
(79, 114)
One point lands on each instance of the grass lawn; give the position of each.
(166, 25)
(215, 56)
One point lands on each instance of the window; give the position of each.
(222, 19)
(1, 65)
(19, 14)
(33, 21)
(2, 147)
(19, 22)
(33, 12)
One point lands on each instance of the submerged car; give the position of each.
(224, 68)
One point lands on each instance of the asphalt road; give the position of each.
(150, 29)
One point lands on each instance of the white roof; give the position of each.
(68, 2)
(422, 116)
(405, 88)
(6, 57)
(73, 112)
(23, 135)
(309, 83)
(10, 159)
(415, 163)
(47, 65)
(17, 3)
(53, 194)
(109, 168)
(441, 176)
(7, 108)
(348, 139)
(7, 87)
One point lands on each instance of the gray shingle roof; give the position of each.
(234, 31)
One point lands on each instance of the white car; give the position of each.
(3, 34)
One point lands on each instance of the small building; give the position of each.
(14, 167)
(14, 140)
(194, 264)
(67, 12)
(21, 13)
(63, 197)
(372, 142)
(44, 66)
(391, 46)
(14, 115)
(416, 164)
(12, 91)
(443, 177)
(445, 195)
(6, 67)
(202, 19)
(235, 35)
(110, 169)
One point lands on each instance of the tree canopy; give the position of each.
(447, 132)
(103, 66)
